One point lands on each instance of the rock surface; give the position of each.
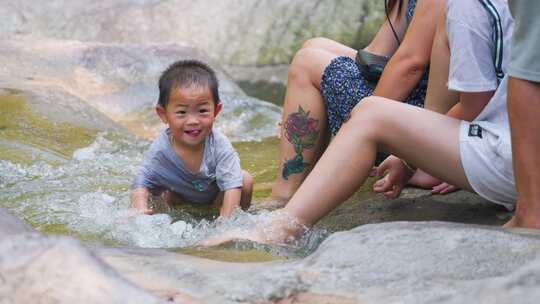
(97, 84)
(398, 262)
(238, 32)
(60, 78)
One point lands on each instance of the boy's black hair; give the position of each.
(185, 73)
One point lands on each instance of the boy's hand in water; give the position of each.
(139, 200)
(395, 180)
(146, 211)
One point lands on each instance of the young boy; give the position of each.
(190, 160)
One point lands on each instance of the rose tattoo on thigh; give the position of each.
(301, 131)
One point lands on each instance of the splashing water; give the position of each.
(88, 197)
(247, 119)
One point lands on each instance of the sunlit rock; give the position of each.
(119, 81)
(261, 32)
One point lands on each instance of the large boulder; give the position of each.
(405, 262)
(81, 83)
(398, 262)
(260, 32)
(39, 269)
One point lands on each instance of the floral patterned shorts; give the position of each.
(343, 86)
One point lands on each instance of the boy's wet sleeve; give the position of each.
(228, 170)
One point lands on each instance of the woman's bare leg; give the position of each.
(304, 125)
(394, 127)
(303, 101)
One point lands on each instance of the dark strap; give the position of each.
(498, 37)
(371, 66)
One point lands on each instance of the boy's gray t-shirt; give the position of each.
(163, 169)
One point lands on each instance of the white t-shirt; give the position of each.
(486, 158)
(471, 40)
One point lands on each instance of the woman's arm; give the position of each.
(407, 65)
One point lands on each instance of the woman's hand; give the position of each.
(398, 174)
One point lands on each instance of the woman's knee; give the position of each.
(302, 67)
(367, 107)
(369, 112)
(317, 43)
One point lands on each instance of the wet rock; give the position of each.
(34, 268)
(365, 207)
(93, 84)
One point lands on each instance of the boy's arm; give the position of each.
(231, 201)
(470, 105)
(139, 200)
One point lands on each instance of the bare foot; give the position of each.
(423, 180)
(444, 188)
(280, 228)
(523, 222)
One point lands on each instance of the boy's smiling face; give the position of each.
(190, 114)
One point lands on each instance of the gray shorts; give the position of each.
(524, 57)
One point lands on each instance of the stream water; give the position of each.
(80, 187)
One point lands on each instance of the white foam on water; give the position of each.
(89, 194)
(247, 118)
